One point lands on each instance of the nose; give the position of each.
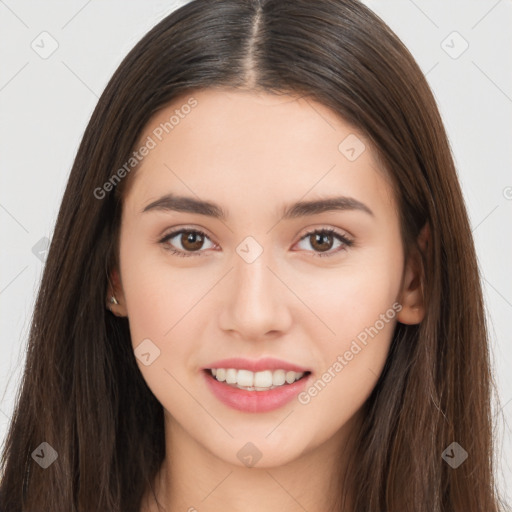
(256, 305)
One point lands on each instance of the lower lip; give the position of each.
(254, 401)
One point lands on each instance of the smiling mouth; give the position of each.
(255, 381)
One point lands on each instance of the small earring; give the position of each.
(111, 301)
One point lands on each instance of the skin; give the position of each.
(252, 153)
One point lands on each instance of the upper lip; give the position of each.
(256, 365)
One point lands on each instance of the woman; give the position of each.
(262, 290)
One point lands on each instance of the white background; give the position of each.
(45, 105)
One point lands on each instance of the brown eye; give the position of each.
(323, 240)
(186, 242)
(191, 240)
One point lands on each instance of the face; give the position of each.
(301, 296)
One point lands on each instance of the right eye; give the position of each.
(190, 240)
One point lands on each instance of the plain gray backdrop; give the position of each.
(56, 58)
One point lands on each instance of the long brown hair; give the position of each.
(82, 392)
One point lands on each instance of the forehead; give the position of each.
(255, 147)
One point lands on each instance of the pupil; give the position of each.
(194, 239)
(320, 238)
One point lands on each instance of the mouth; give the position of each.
(256, 391)
(248, 380)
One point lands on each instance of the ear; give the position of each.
(116, 289)
(412, 298)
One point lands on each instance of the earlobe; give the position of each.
(412, 295)
(115, 296)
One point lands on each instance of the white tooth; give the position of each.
(263, 379)
(231, 376)
(245, 378)
(278, 377)
(259, 381)
(290, 377)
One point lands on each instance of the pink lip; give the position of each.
(265, 363)
(254, 401)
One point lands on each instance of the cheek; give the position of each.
(165, 306)
(358, 303)
(352, 365)
(352, 296)
(157, 301)
(158, 295)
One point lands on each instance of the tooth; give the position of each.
(245, 378)
(290, 377)
(231, 376)
(259, 381)
(263, 379)
(278, 377)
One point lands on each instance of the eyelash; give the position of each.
(347, 242)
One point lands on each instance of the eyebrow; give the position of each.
(171, 202)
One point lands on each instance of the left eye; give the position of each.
(320, 239)
(191, 241)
